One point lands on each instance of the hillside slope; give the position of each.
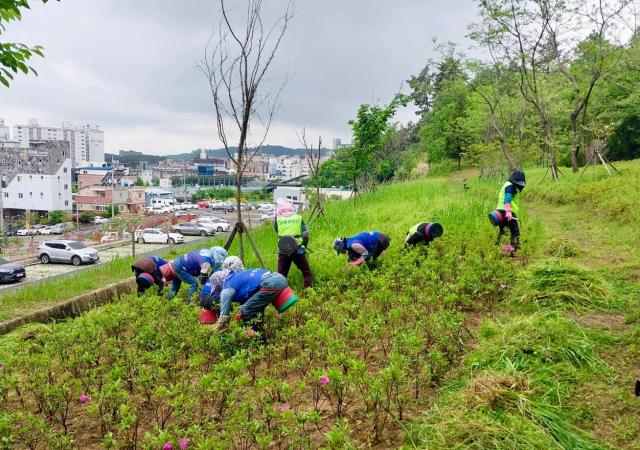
(458, 347)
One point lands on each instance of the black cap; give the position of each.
(517, 177)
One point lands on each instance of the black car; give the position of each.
(10, 272)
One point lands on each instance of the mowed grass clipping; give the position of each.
(560, 284)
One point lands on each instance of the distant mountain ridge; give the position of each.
(134, 158)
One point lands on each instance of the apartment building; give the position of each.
(86, 141)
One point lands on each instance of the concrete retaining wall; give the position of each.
(72, 307)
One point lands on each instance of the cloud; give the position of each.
(131, 66)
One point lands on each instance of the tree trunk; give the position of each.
(238, 196)
(575, 147)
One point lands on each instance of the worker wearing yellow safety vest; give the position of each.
(293, 239)
(508, 207)
(423, 233)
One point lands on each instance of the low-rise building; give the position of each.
(38, 178)
(98, 198)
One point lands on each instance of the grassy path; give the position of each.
(556, 371)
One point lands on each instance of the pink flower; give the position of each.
(324, 380)
(508, 249)
(503, 286)
(84, 399)
(49, 417)
(284, 407)
(167, 446)
(183, 443)
(1, 367)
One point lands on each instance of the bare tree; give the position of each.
(314, 158)
(598, 56)
(236, 61)
(520, 29)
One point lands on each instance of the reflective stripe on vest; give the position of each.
(290, 226)
(414, 229)
(514, 204)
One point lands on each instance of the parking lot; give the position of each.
(36, 271)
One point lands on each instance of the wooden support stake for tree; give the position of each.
(241, 229)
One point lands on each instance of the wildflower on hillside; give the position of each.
(324, 380)
(84, 398)
(183, 443)
(49, 417)
(167, 446)
(508, 249)
(1, 367)
(503, 286)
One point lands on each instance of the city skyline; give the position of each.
(133, 72)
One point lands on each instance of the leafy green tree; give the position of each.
(369, 128)
(86, 217)
(139, 182)
(15, 57)
(335, 172)
(155, 181)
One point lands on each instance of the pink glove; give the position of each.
(509, 216)
(357, 262)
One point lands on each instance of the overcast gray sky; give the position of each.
(130, 65)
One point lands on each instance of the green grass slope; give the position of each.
(459, 347)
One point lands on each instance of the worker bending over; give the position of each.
(423, 233)
(253, 289)
(293, 239)
(147, 273)
(189, 267)
(367, 246)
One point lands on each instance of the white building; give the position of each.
(37, 179)
(295, 194)
(86, 141)
(4, 131)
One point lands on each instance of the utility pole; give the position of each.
(112, 181)
(1, 212)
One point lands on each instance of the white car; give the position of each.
(100, 220)
(46, 231)
(218, 224)
(156, 236)
(267, 217)
(267, 209)
(28, 231)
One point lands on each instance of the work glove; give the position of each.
(222, 323)
(357, 262)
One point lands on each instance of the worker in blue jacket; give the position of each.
(253, 289)
(367, 246)
(195, 264)
(147, 273)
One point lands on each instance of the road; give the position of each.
(36, 272)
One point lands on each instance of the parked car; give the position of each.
(189, 205)
(98, 220)
(27, 231)
(222, 206)
(64, 251)
(218, 224)
(194, 229)
(10, 272)
(58, 228)
(267, 209)
(266, 217)
(157, 236)
(11, 230)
